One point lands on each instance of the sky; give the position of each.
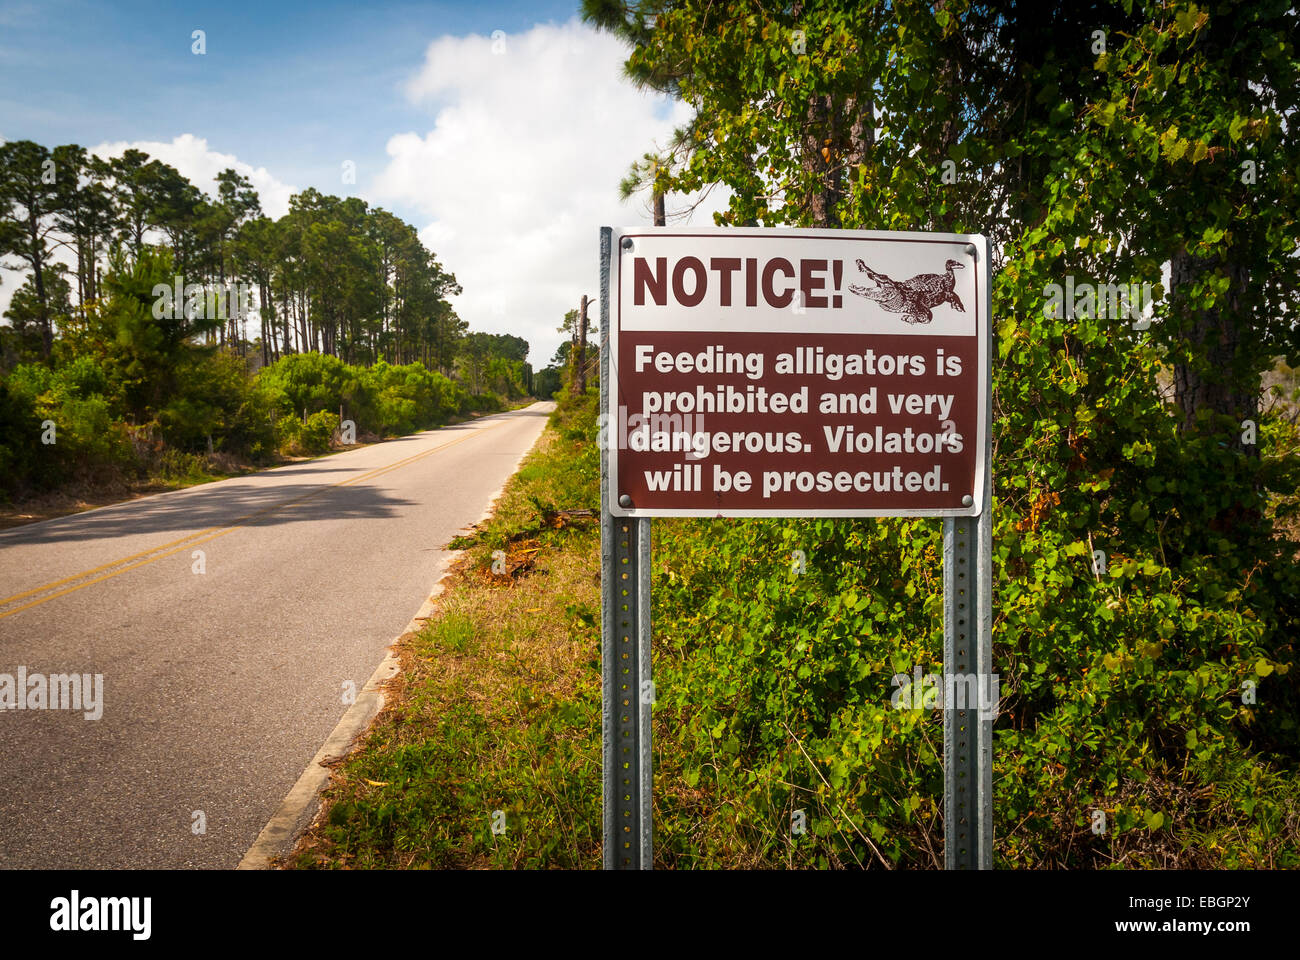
(499, 130)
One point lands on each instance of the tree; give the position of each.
(1196, 123)
(26, 310)
(152, 345)
(783, 129)
(28, 199)
(580, 356)
(179, 210)
(85, 212)
(333, 274)
(254, 252)
(644, 175)
(135, 189)
(1098, 142)
(1155, 135)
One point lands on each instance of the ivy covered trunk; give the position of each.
(1219, 374)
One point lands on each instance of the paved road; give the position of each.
(219, 686)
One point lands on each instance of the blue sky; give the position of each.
(297, 87)
(415, 95)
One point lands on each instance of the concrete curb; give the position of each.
(299, 807)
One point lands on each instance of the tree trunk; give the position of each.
(836, 139)
(1221, 377)
(38, 280)
(818, 143)
(580, 357)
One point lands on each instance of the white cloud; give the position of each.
(516, 176)
(200, 165)
(521, 169)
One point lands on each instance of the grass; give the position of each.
(487, 753)
(495, 720)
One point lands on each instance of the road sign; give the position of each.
(760, 372)
(778, 372)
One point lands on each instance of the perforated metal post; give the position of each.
(625, 648)
(967, 651)
(967, 734)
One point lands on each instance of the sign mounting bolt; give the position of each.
(970, 248)
(626, 243)
(967, 500)
(624, 501)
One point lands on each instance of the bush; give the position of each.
(295, 438)
(481, 403)
(177, 466)
(210, 398)
(89, 441)
(1124, 691)
(82, 378)
(319, 431)
(21, 462)
(310, 381)
(407, 398)
(218, 400)
(288, 432)
(383, 399)
(30, 380)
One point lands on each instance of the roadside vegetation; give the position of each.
(1146, 467)
(193, 337)
(774, 703)
(494, 720)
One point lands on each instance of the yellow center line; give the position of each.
(212, 533)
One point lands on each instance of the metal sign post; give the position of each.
(628, 691)
(968, 729)
(967, 651)
(795, 373)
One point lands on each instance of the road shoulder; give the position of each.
(301, 805)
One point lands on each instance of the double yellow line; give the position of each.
(206, 536)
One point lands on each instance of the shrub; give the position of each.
(315, 381)
(288, 432)
(317, 432)
(21, 462)
(218, 400)
(481, 403)
(408, 398)
(178, 466)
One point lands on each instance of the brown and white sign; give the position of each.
(784, 372)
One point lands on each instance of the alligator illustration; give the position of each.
(916, 298)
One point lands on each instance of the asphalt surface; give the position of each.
(219, 686)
